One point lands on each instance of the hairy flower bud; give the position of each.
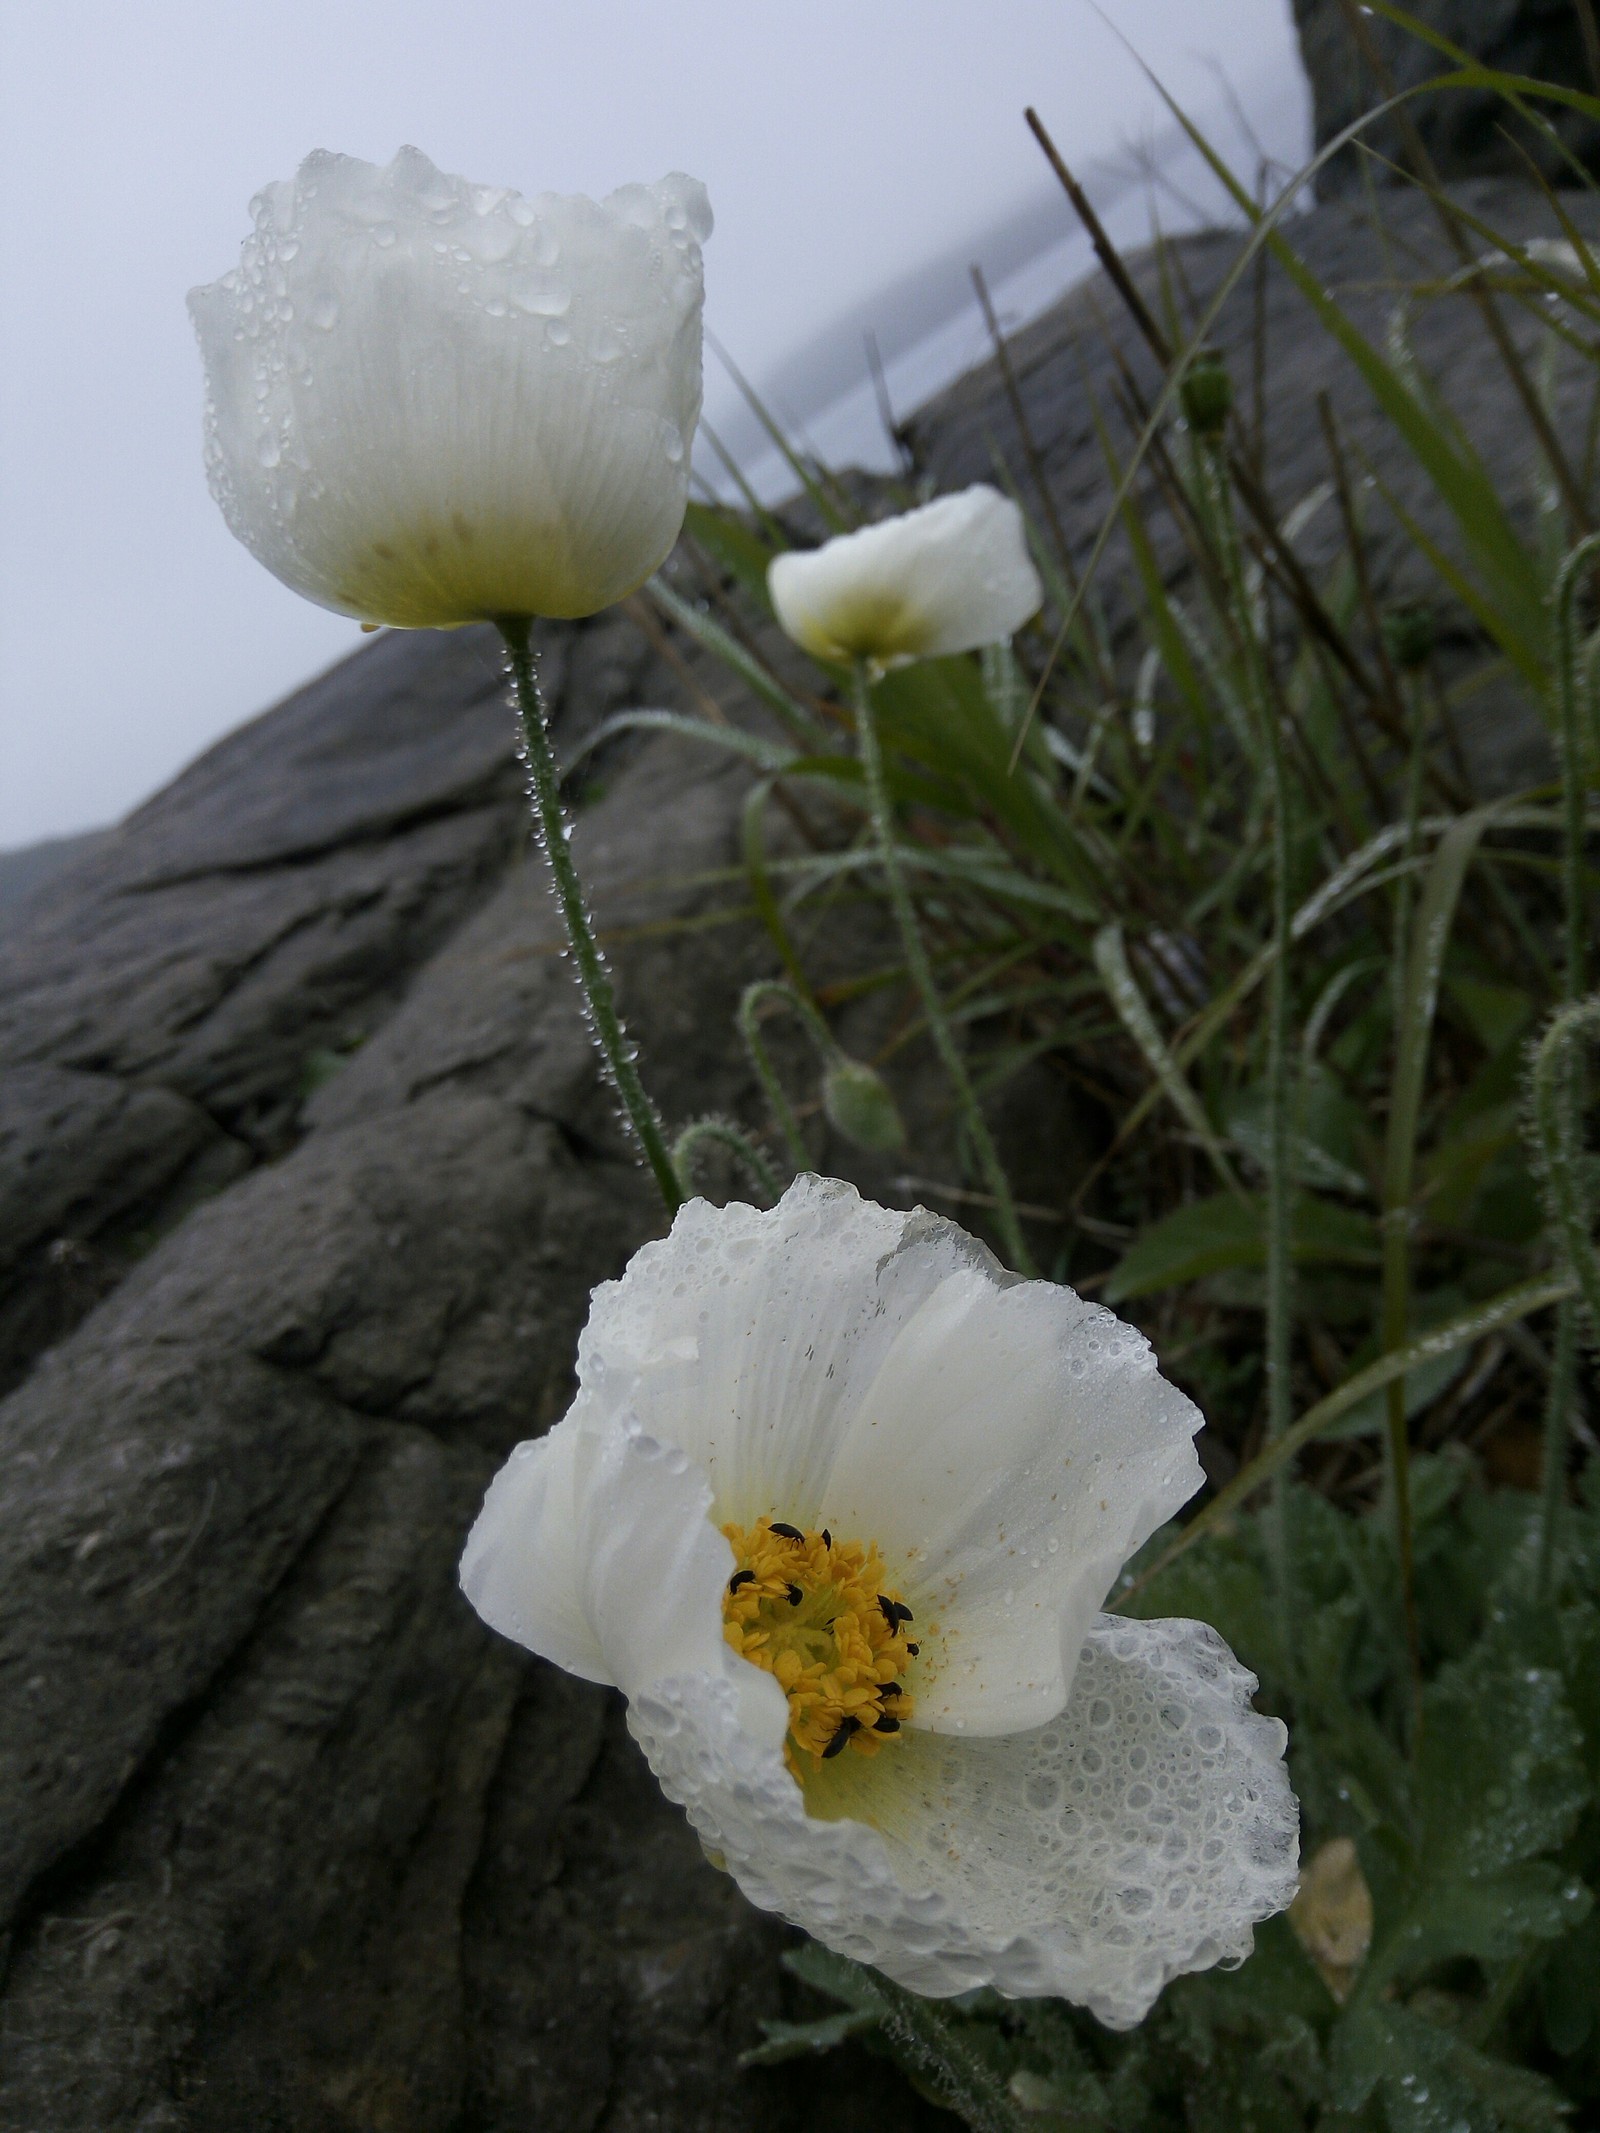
(1206, 394)
(858, 1104)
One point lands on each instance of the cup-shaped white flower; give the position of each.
(946, 578)
(835, 1507)
(430, 402)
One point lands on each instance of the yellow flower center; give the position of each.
(815, 1614)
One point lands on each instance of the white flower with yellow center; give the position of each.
(430, 402)
(948, 577)
(835, 1508)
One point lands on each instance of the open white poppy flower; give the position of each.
(946, 578)
(430, 402)
(835, 1508)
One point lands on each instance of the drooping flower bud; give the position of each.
(858, 1104)
(1409, 633)
(1206, 394)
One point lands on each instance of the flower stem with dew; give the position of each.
(921, 971)
(718, 1133)
(544, 791)
(751, 1002)
(1213, 462)
(1559, 1072)
(927, 2038)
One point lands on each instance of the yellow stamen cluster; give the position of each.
(814, 1613)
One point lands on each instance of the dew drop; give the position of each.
(542, 300)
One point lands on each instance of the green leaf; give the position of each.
(1503, 1309)
(1568, 1990)
(706, 630)
(732, 542)
(804, 2040)
(1498, 1014)
(1432, 2080)
(1133, 1010)
(1498, 1781)
(1205, 1236)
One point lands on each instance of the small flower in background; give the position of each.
(836, 1507)
(430, 402)
(949, 577)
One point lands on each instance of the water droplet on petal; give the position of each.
(542, 299)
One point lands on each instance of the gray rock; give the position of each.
(26, 868)
(1465, 132)
(290, 1840)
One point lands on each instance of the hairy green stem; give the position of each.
(927, 2038)
(1556, 1076)
(544, 792)
(921, 970)
(1280, 1151)
(1396, 1224)
(719, 1133)
(751, 1002)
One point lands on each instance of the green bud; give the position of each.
(1408, 634)
(1206, 394)
(858, 1105)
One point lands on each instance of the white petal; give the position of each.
(520, 1565)
(1015, 1448)
(653, 1573)
(832, 1363)
(952, 575)
(1138, 1836)
(430, 402)
(747, 1338)
(594, 1549)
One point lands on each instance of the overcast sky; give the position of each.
(857, 152)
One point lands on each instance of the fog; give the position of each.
(859, 153)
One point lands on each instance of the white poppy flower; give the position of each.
(835, 1508)
(946, 578)
(430, 402)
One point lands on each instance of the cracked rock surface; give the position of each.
(305, 1176)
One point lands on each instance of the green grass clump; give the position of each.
(1221, 872)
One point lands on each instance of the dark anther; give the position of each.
(887, 1723)
(790, 1533)
(741, 1577)
(913, 1649)
(886, 1609)
(795, 1596)
(847, 1726)
(902, 1612)
(891, 1688)
(827, 1538)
